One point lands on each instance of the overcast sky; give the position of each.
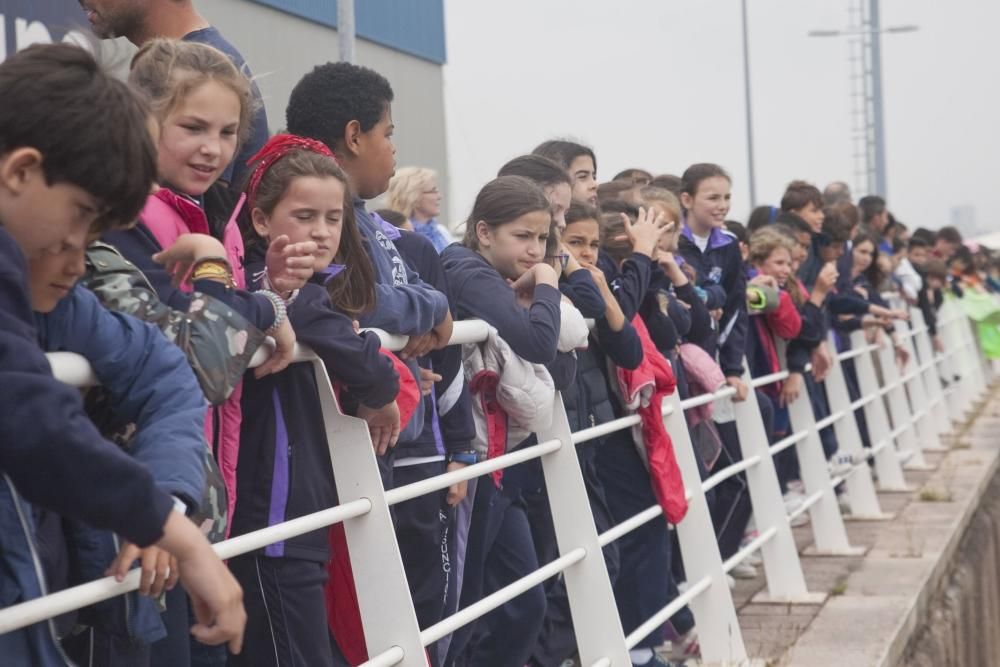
(658, 84)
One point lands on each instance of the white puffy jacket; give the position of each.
(524, 390)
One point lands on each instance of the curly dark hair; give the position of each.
(331, 96)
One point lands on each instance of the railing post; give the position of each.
(890, 472)
(955, 394)
(829, 533)
(899, 410)
(718, 628)
(596, 623)
(387, 614)
(920, 400)
(936, 405)
(785, 580)
(860, 487)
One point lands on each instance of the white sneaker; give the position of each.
(840, 463)
(796, 486)
(754, 558)
(744, 571)
(845, 503)
(793, 501)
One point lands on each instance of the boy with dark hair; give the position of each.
(349, 108)
(946, 242)
(75, 157)
(908, 271)
(802, 210)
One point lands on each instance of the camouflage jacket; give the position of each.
(218, 341)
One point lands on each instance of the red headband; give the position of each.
(276, 148)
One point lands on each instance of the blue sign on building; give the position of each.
(411, 26)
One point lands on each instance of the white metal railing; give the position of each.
(920, 410)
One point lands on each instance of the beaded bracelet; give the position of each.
(280, 311)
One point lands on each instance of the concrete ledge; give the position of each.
(876, 611)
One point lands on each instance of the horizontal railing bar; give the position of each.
(753, 546)
(628, 525)
(830, 420)
(505, 594)
(729, 471)
(55, 604)
(660, 617)
(703, 399)
(768, 379)
(444, 480)
(850, 354)
(787, 442)
(806, 504)
(389, 657)
(593, 432)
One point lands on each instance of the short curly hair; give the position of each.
(334, 94)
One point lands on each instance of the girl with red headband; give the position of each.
(298, 191)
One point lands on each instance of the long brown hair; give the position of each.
(352, 291)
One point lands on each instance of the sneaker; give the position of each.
(840, 463)
(793, 501)
(683, 586)
(730, 581)
(655, 661)
(796, 486)
(685, 648)
(744, 571)
(844, 502)
(754, 558)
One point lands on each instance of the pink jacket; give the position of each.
(168, 215)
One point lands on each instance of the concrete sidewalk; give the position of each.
(876, 601)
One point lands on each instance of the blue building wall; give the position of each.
(411, 26)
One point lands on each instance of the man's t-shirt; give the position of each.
(258, 135)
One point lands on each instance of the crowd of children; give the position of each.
(134, 236)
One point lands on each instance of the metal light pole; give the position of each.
(870, 31)
(345, 30)
(878, 121)
(749, 108)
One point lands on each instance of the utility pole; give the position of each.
(345, 30)
(878, 120)
(867, 68)
(749, 108)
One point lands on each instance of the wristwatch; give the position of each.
(468, 458)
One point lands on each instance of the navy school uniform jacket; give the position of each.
(670, 323)
(150, 382)
(152, 386)
(588, 398)
(284, 468)
(720, 272)
(404, 304)
(480, 291)
(628, 283)
(52, 453)
(448, 424)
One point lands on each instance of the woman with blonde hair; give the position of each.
(413, 191)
